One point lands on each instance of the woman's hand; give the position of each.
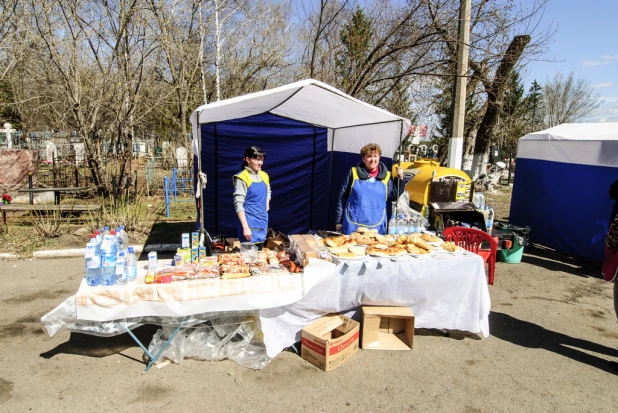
(246, 231)
(400, 172)
(338, 227)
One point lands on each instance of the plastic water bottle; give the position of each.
(99, 236)
(416, 224)
(130, 265)
(479, 200)
(121, 275)
(123, 237)
(392, 225)
(105, 231)
(489, 222)
(401, 225)
(108, 260)
(409, 225)
(93, 271)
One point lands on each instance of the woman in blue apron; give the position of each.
(252, 197)
(365, 191)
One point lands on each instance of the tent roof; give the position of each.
(576, 132)
(307, 101)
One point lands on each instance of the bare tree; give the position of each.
(568, 99)
(502, 37)
(178, 28)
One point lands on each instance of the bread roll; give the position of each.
(362, 229)
(357, 250)
(347, 255)
(376, 252)
(338, 250)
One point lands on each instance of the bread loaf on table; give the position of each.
(338, 250)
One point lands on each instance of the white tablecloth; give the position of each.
(447, 292)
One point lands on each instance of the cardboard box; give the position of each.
(310, 239)
(274, 240)
(231, 243)
(330, 341)
(387, 328)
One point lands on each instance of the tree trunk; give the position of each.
(495, 93)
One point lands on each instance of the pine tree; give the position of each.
(355, 38)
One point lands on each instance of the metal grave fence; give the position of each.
(178, 188)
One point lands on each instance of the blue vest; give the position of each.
(255, 206)
(366, 204)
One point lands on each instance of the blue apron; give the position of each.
(366, 204)
(255, 207)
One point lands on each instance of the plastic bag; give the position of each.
(238, 338)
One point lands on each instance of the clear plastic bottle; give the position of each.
(123, 237)
(479, 200)
(99, 236)
(489, 221)
(121, 275)
(392, 225)
(409, 224)
(93, 271)
(105, 231)
(130, 265)
(401, 225)
(108, 260)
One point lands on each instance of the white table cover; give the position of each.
(444, 292)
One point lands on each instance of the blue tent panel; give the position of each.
(566, 205)
(297, 162)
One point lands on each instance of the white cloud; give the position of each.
(605, 60)
(606, 84)
(595, 62)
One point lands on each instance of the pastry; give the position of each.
(430, 238)
(357, 250)
(347, 255)
(376, 252)
(450, 247)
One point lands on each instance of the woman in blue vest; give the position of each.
(365, 191)
(252, 197)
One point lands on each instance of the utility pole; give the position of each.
(455, 145)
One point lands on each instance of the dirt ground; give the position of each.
(553, 331)
(552, 325)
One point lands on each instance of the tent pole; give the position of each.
(199, 170)
(330, 178)
(398, 163)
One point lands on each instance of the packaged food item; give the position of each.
(194, 255)
(195, 239)
(186, 240)
(185, 255)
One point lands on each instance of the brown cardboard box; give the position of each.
(310, 239)
(330, 341)
(231, 243)
(387, 328)
(274, 240)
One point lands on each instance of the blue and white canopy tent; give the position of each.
(311, 133)
(561, 186)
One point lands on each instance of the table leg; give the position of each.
(152, 359)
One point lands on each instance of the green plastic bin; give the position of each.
(512, 255)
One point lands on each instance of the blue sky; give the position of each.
(586, 41)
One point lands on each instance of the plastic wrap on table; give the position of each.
(237, 338)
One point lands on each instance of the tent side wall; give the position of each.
(565, 204)
(297, 162)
